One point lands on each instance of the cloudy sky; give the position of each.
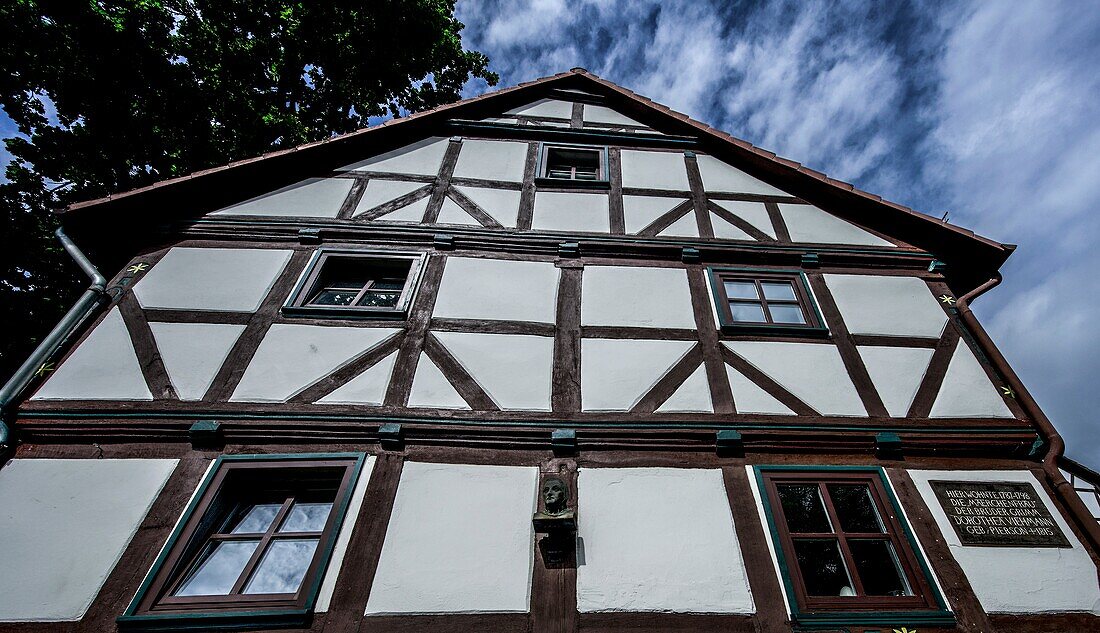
(988, 111)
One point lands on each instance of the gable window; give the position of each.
(843, 546)
(573, 166)
(356, 284)
(765, 301)
(253, 546)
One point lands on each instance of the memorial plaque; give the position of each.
(998, 514)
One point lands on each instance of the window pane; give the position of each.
(854, 508)
(218, 569)
(747, 312)
(878, 569)
(257, 518)
(822, 568)
(803, 508)
(383, 299)
(571, 163)
(784, 313)
(334, 297)
(306, 517)
(388, 284)
(740, 290)
(778, 290)
(283, 566)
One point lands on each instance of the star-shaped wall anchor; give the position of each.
(949, 300)
(137, 268)
(1009, 392)
(905, 630)
(44, 369)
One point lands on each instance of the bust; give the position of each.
(555, 496)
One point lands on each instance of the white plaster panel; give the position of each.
(422, 158)
(807, 223)
(684, 227)
(515, 370)
(814, 372)
(368, 387)
(313, 197)
(1017, 579)
(654, 170)
(897, 373)
(451, 213)
(752, 212)
(497, 289)
(893, 306)
(966, 391)
(719, 176)
(545, 107)
(616, 373)
(575, 212)
(328, 584)
(676, 551)
(748, 397)
(64, 523)
(193, 353)
(636, 296)
(459, 541)
(431, 388)
(502, 204)
(725, 231)
(412, 212)
(692, 396)
(228, 279)
(600, 114)
(292, 357)
(103, 367)
(640, 211)
(380, 192)
(492, 160)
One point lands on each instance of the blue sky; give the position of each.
(988, 111)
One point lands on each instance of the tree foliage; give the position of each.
(116, 94)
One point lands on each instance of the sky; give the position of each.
(987, 111)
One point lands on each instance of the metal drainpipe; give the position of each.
(1056, 446)
(88, 303)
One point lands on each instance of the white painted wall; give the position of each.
(431, 389)
(367, 388)
(640, 211)
(719, 176)
(497, 289)
(64, 523)
(967, 391)
(812, 371)
(897, 373)
(1017, 579)
(459, 541)
(515, 370)
(752, 212)
(491, 160)
(313, 197)
(502, 204)
(230, 279)
(894, 306)
(654, 170)
(607, 116)
(807, 223)
(573, 212)
(545, 107)
(658, 539)
(328, 584)
(636, 296)
(103, 367)
(379, 192)
(422, 158)
(193, 353)
(616, 373)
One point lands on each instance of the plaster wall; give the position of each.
(459, 541)
(1017, 579)
(807, 223)
(193, 353)
(328, 584)
(545, 107)
(967, 390)
(719, 176)
(812, 371)
(600, 114)
(312, 198)
(513, 369)
(229, 279)
(636, 296)
(574, 212)
(654, 170)
(502, 204)
(893, 306)
(658, 539)
(64, 523)
(491, 160)
(616, 373)
(380, 191)
(475, 288)
(422, 158)
(640, 211)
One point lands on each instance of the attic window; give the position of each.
(574, 166)
(355, 284)
(778, 302)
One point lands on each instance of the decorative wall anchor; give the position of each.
(558, 522)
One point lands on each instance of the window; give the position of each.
(843, 547)
(252, 547)
(573, 166)
(356, 284)
(765, 301)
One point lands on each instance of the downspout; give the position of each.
(1056, 446)
(87, 304)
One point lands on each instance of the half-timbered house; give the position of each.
(551, 359)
